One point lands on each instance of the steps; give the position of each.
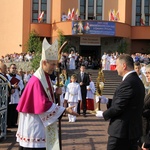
(112, 80)
(94, 73)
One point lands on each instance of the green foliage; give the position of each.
(35, 45)
(35, 63)
(61, 40)
(122, 47)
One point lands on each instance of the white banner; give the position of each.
(90, 41)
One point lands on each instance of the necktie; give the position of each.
(82, 75)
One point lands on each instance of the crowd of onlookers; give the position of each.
(108, 60)
(73, 60)
(70, 60)
(17, 57)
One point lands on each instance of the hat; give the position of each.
(49, 52)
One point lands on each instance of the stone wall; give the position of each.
(26, 66)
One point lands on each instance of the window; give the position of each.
(138, 13)
(142, 8)
(37, 7)
(93, 7)
(90, 9)
(99, 10)
(146, 12)
(82, 9)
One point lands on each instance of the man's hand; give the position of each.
(70, 111)
(88, 89)
(16, 86)
(143, 147)
(81, 83)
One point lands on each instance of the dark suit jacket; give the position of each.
(126, 109)
(86, 81)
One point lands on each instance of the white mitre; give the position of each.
(49, 52)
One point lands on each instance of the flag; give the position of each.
(72, 14)
(40, 18)
(143, 20)
(111, 15)
(77, 15)
(69, 14)
(117, 18)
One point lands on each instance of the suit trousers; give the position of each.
(121, 144)
(83, 104)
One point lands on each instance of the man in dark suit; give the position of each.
(83, 80)
(125, 127)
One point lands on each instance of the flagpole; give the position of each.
(58, 84)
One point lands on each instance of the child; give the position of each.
(90, 94)
(137, 68)
(73, 96)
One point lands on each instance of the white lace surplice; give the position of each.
(36, 125)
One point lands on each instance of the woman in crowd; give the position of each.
(146, 112)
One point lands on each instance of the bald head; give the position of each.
(3, 68)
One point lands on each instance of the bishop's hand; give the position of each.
(70, 111)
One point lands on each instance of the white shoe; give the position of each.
(73, 121)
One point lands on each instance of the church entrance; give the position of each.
(93, 51)
(92, 54)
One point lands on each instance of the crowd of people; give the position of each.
(35, 94)
(108, 60)
(69, 61)
(17, 57)
(72, 61)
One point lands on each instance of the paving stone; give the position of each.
(87, 133)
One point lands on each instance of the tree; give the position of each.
(34, 45)
(122, 47)
(61, 40)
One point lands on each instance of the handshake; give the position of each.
(99, 114)
(102, 99)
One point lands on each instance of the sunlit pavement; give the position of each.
(87, 133)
